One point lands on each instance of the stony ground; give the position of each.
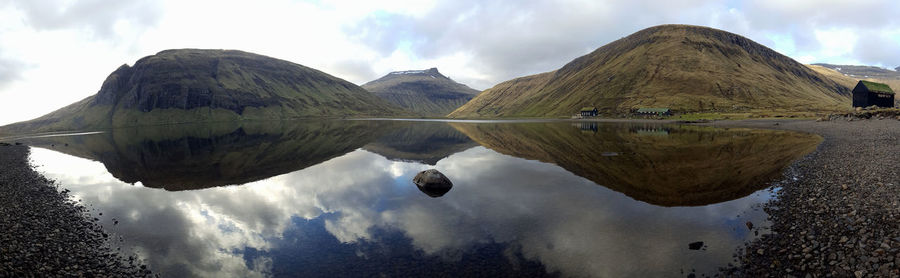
(840, 217)
(44, 234)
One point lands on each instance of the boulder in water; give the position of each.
(433, 183)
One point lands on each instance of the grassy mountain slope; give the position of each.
(195, 85)
(425, 92)
(686, 68)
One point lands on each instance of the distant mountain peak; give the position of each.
(427, 71)
(863, 71)
(427, 92)
(432, 73)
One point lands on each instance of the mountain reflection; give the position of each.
(425, 142)
(658, 164)
(197, 156)
(661, 165)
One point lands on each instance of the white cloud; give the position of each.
(836, 42)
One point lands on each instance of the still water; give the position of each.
(335, 198)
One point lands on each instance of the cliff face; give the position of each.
(686, 68)
(425, 92)
(195, 85)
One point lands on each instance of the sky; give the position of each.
(56, 52)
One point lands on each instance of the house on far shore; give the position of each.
(589, 112)
(869, 93)
(653, 112)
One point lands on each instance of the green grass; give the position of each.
(877, 87)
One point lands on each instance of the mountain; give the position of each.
(197, 85)
(862, 71)
(685, 68)
(426, 92)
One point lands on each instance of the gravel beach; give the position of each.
(839, 215)
(45, 234)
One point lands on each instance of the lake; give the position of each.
(336, 198)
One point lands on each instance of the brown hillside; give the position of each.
(686, 68)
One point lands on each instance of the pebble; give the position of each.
(49, 235)
(824, 230)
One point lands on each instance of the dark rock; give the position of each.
(433, 183)
(695, 245)
(749, 225)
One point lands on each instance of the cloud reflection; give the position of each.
(535, 210)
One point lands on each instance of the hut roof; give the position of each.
(653, 110)
(591, 108)
(876, 87)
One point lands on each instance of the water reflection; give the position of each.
(662, 165)
(197, 156)
(349, 211)
(425, 142)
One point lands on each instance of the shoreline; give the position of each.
(839, 216)
(45, 233)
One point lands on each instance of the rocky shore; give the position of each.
(839, 216)
(43, 233)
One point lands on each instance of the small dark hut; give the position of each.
(653, 112)
(869, 93)
(589, 112)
